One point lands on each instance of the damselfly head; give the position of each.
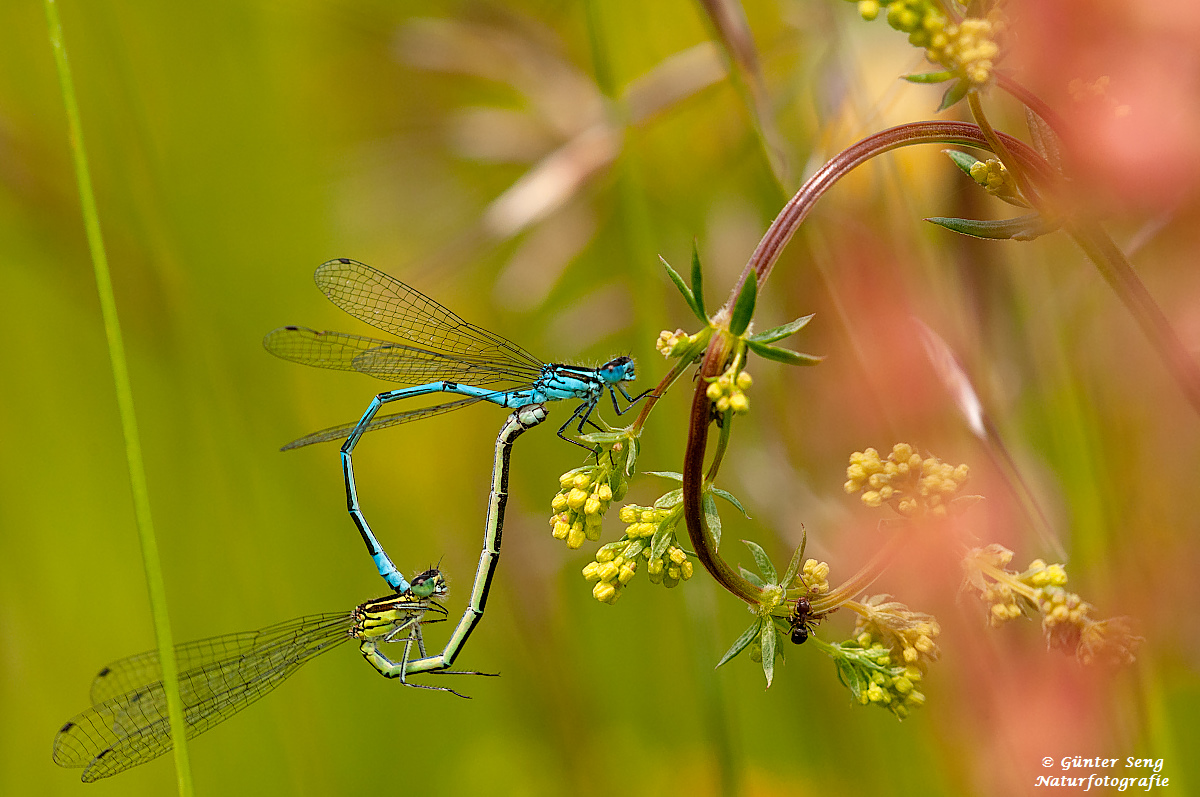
(430, 584)
(618, 369)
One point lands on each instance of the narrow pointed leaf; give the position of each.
(930, 77)
(714, 519)
(728, 496)
(797, 560)
(1021, 228)
(697, 284)
(850, 678)
(1044, 139)
(635, 448)
(752, 577)
(768, 651)
(742, 642)
(962, 160)
(633, 549)
(778, 333)
(684, 289)
(661, 540)
(668, 500)
(785, 356)
(762, 560)
(743, 308)
(954, 94)
(666, 474)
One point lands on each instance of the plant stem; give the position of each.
(133, 449)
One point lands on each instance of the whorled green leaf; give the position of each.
(635, 448)
(697, 284)
(714, 519)
(954, 94)
(661, 540)
(633, 549)
(752, 577)
(668, 500)
(684, 289)
(850, 677)
(797, 560)
(785, 356)
(1044, 139)
(1021, 228)
(962, 160)
(778, 333)
(769, 635)
(742, 642)
(728, 496)
(930, 77)
(743, 308)
(666, 474)
(762, 560)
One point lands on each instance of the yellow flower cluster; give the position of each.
(967, 48)
(814, 577)
(617, 562)
(913, 485)
(1066, 617)
(898, 693)
(907, 634)
(728, 391)
(612, 572)
(996, 180)
(579, 506)
(668, 342)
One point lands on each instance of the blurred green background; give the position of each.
(469, 149)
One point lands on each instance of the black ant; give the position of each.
(802, 621)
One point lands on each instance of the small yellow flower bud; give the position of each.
(604, 492)
(605, 555)
(576, 498)
(686, 570)
(608, 571)
(565, 480)
(738, 403)
(591, 571)
(723, 403)
(677, 555)
(744, 381)
(575, 538)
(603, 591)
(582, 481)
(561, 529)
(713, 391)
(559, 503)
(591, 506)
(628, 571)
(872, 498)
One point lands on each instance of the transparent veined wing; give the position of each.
(219, 676)
(342, 431)
(395, 362)
(386, 303)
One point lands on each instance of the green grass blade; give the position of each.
(133, 449)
